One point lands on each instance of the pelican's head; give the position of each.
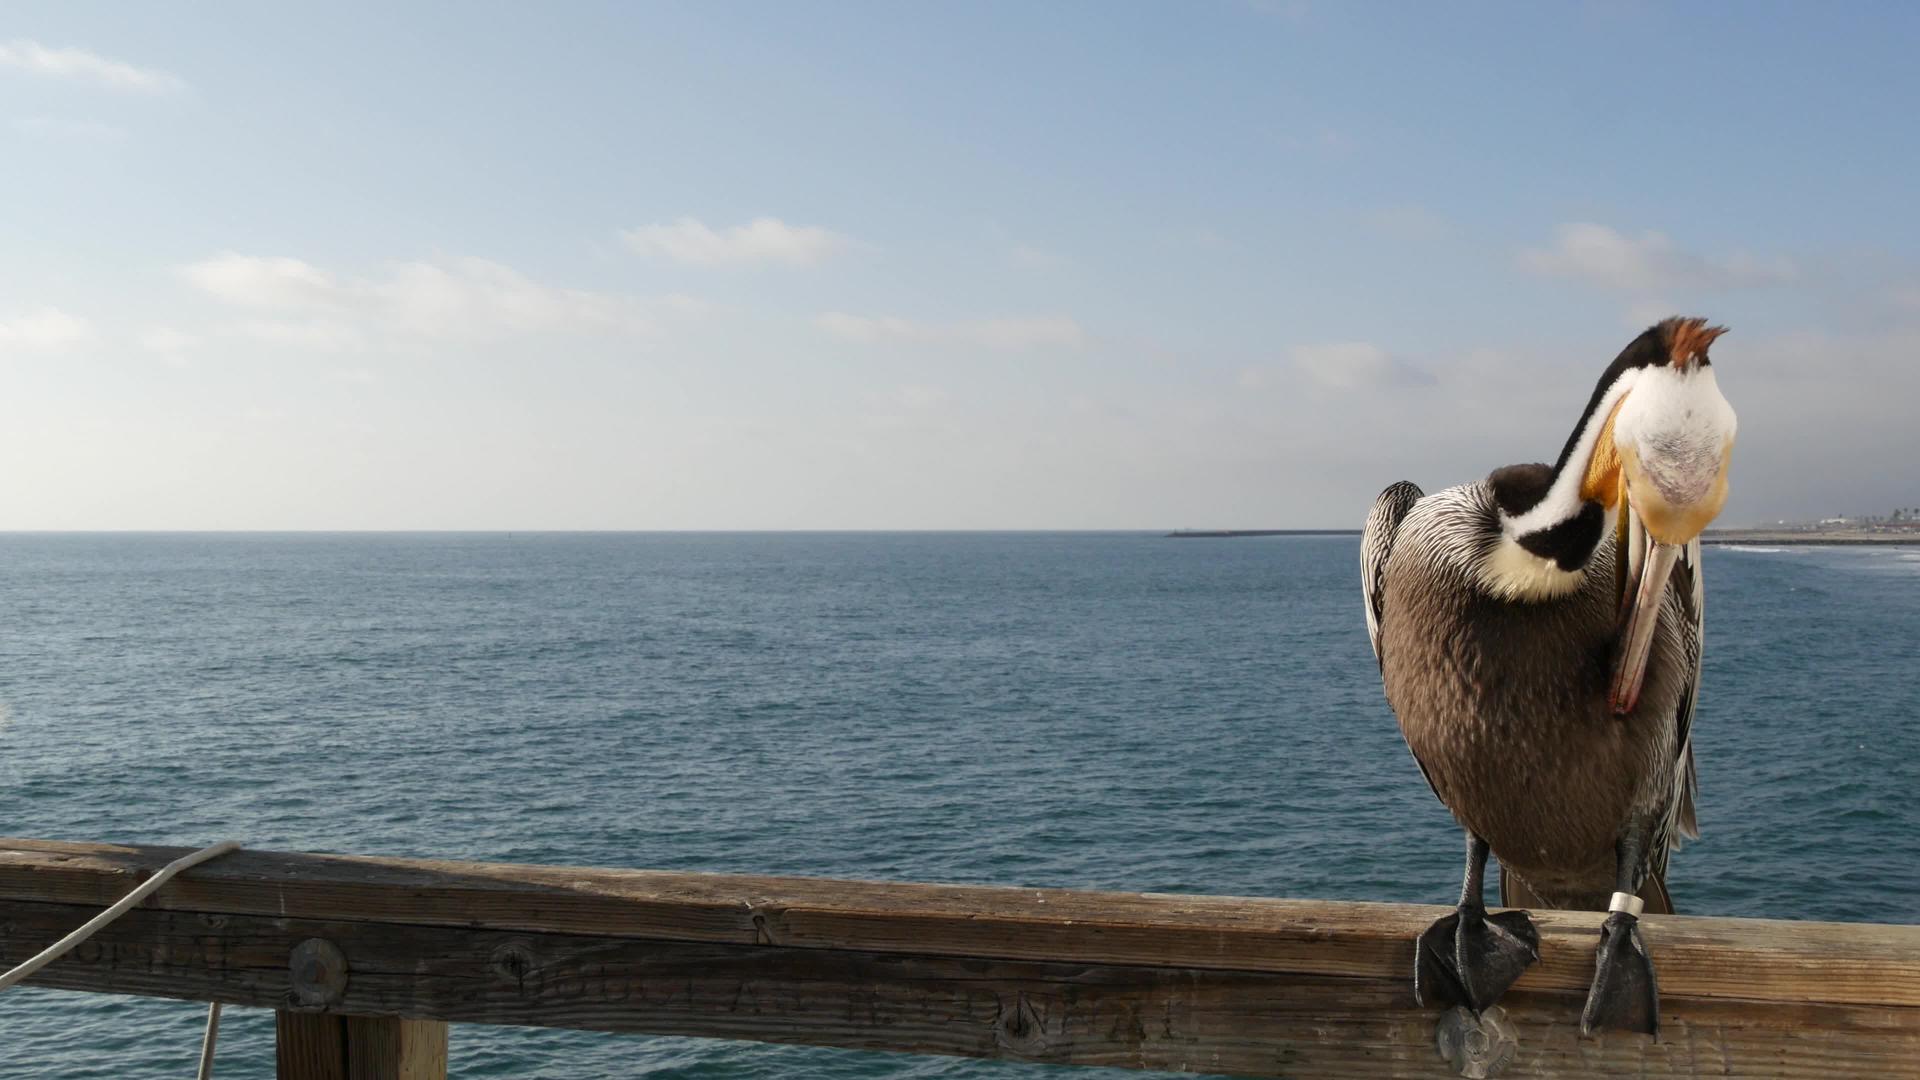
(1652, 443)
(1670, 437)
(1673, 436)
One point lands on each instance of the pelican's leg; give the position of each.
(1624, 995)
(1470, 957)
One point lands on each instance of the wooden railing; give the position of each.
(367, 959)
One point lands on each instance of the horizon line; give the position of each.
(1151, 530)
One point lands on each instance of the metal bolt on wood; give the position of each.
(319, 973)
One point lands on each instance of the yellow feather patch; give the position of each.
(1602, 482)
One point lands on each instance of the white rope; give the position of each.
(125, 904)
(92, 926)
(206, 1043)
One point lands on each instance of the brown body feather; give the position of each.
(1505, 706)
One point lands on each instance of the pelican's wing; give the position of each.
(1689, 587)
(1376, 547)
(1376, 544)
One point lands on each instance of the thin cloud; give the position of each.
(318, 335)
(1609, 258)
(918, 408)
(80, 65)
(166, 339)
(174, 347)
(1043, 331)
(1351, 365)
(688, 305)
(1007, 335)
(43, 331)
(265, 281)
(457, 299)
(762, 240)
(868, 330)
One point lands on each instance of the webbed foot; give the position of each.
(1624, 995)
(1470, 958)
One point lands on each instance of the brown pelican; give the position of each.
(1538, 633)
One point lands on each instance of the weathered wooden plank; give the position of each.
(326, 1046)
(396, 1048)
(309, 1046)
(1245, 1023)
(1697, 957)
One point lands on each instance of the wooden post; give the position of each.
(323, 1046)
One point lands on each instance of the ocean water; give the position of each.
(1101, 710)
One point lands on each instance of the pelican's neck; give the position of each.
(1552, 518)
(1587, 465)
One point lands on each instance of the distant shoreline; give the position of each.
(1807, 539)
(1769, 537)
(1221, 534)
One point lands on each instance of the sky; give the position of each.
(929, 266)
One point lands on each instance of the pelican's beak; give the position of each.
(1669, 502)
(1671, 438)
(1650, 566)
